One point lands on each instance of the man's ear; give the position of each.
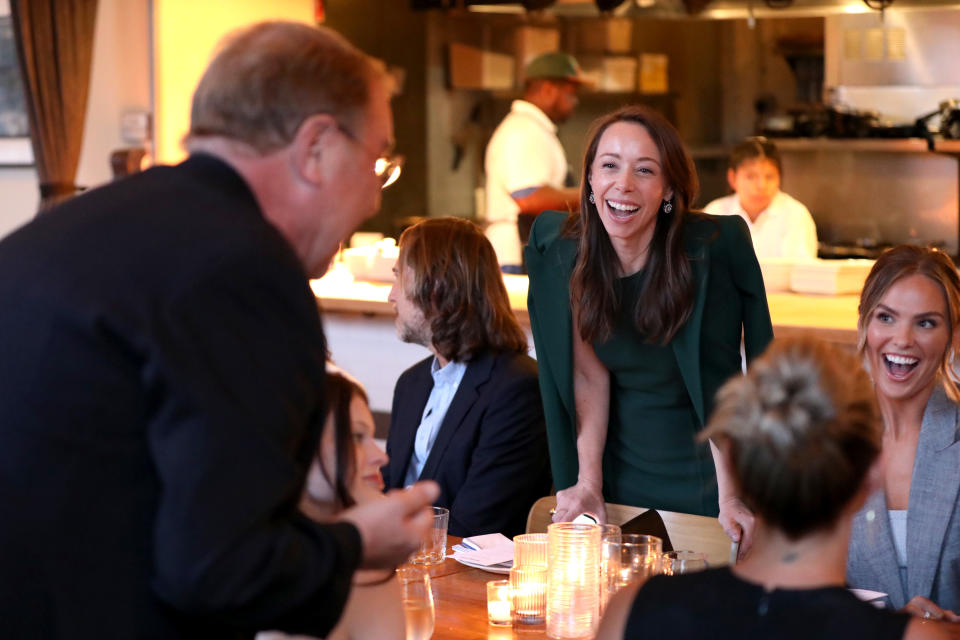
(311, 146)
(731, 179)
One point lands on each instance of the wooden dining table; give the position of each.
(460, 603)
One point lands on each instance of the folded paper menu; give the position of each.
(869, 596)
(488, 550)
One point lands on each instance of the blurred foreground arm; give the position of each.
(392, 528)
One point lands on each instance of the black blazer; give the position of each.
(161, 374)
(490, 455)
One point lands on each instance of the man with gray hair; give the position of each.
(162, 367)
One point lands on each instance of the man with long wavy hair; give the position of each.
(469, 416)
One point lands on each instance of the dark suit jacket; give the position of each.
(730, 302)
(161, 368)
(490, 455)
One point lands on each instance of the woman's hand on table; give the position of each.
(738, 523)
(582, 497)
(928, 610)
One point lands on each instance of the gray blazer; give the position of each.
(933, 520)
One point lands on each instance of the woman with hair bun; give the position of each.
(906, 539)
(802, 438)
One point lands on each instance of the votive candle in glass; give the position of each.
(529, 588)
(530, 549)
(573, 580)
(499, 602)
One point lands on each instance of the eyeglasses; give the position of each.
(388, 165)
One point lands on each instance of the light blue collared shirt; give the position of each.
(446, 381)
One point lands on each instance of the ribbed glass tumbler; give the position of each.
(573, 580)
(530, 549)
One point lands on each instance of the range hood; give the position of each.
(713, 9)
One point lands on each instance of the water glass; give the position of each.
(530, 549)
(499, 603)
(609, 562)
(433, 548)
(639, 557)
(528, 585)
(417, 596)
(677, 562)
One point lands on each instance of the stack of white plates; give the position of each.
(776, 273)
(373, 262)
(833, 277)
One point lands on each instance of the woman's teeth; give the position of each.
(899, 365)
(622, 208)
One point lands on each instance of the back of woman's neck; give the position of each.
(815, 560)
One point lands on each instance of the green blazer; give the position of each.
(729, 298)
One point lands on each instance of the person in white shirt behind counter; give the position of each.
(525, 164)
(780, 225)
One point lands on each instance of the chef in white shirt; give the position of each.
(525, 165)
(780, 225)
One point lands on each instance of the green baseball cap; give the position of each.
(555, 66)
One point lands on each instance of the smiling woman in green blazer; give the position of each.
(637, 307)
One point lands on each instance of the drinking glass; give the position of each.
(677, 562)
(609, 563)
(639, 557)
(417, 599)
(433, 548)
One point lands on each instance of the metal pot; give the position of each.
(950, 119)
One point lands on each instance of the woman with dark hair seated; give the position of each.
(345, 472)
(802, 438)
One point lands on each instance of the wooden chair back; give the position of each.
(686, 531)
(698, 533)
(540, 516)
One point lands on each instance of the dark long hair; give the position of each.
(667, 296)
(458, 286)
(340, 392)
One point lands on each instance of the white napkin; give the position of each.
(873, 597)
(489, 549)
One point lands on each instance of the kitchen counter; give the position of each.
(359, 323)
(832, 317)
(339, 292)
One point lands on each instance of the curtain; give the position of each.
(55, 48)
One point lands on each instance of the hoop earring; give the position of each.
(667, 207)
(591, 199)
